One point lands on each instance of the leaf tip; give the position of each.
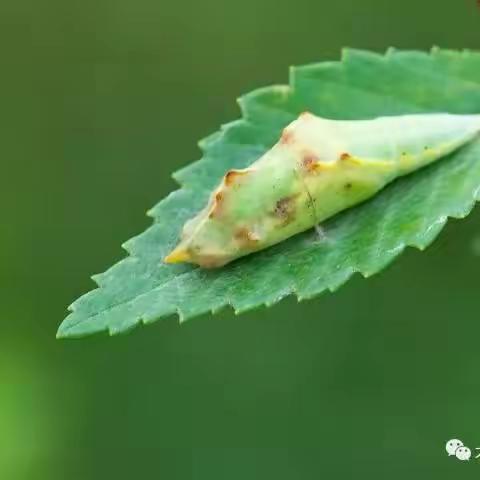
(64, 331)
(344, 53)
(390, 51)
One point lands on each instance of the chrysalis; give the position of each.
(318, 168)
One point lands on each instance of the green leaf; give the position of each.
(409, 212)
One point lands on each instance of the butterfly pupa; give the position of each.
(318, 168)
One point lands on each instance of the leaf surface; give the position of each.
(409, 212)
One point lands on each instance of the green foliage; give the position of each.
(409, 212)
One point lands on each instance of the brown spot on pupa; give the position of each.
(345, 156)
(281, 207)
(310, 162)
(285, 209)
(232, 175)
(287, 137)
(348, 186)
(245, 237)
(217, 204)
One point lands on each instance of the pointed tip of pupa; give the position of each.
(177, 255)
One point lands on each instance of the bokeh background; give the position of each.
(100, 101)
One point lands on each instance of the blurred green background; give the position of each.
(101, 101)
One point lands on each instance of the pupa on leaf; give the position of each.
(318, 168)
